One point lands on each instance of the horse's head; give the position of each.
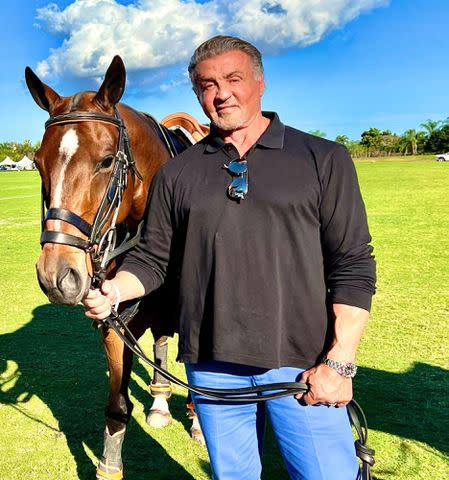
(75, 161)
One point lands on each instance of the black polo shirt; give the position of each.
(254, 278)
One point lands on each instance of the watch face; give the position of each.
(347, 370)
(350, 370)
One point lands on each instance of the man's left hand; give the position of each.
(326, 386)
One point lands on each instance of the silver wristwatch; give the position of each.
(347, 370)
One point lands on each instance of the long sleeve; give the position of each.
(348, 262)
(148, 261)
(265, 266)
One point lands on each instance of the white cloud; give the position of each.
(157, 34)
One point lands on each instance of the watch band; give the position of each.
(347, 370)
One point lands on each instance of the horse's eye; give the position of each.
(105, 163)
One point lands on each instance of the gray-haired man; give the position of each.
(267, 232)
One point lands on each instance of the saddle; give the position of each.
(185, 125)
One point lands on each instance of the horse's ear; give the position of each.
(43, 95)
(113, 85)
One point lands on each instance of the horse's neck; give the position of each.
(149, 154)
(153, 144)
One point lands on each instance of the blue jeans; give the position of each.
(316, 442)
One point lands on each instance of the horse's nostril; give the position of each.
(69, 282)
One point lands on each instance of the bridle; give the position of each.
(100, 246)
(101, 242)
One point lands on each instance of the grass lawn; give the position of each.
(53, 374)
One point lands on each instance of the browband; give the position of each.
(76, 117)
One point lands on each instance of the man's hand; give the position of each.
(123, 287)
(98, 303)
(326, 386)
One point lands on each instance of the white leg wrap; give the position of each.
(160, 403)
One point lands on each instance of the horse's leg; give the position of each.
(119, 406)
(195, 430)
(161, 389)
(159, 415)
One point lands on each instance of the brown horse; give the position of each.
(77, 159)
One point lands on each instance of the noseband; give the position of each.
(100, 244)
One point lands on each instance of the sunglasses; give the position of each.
(238, 188)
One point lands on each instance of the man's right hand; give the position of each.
(98, 302)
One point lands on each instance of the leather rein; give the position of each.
(101, 248)
(251, 394)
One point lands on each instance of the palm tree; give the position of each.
(342, 139)
(411, 140)
(430, 126)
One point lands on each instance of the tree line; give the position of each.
(16, 151)
(433, 138)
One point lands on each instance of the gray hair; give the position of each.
(223, 44)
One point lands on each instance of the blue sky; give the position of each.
(340, 67)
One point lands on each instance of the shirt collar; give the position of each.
(272, 137)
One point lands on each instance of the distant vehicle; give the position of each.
(442, 157)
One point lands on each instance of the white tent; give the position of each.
(7, 162)
(25, 164)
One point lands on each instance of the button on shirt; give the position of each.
(254, 278)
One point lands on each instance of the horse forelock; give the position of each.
(75, 101)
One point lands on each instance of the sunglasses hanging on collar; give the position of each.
(238, 188)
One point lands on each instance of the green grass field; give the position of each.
(53, 374)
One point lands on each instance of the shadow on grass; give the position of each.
(60, 360)
(412, 405)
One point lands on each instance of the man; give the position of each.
(265, 229)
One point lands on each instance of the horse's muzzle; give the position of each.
(64, 283)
